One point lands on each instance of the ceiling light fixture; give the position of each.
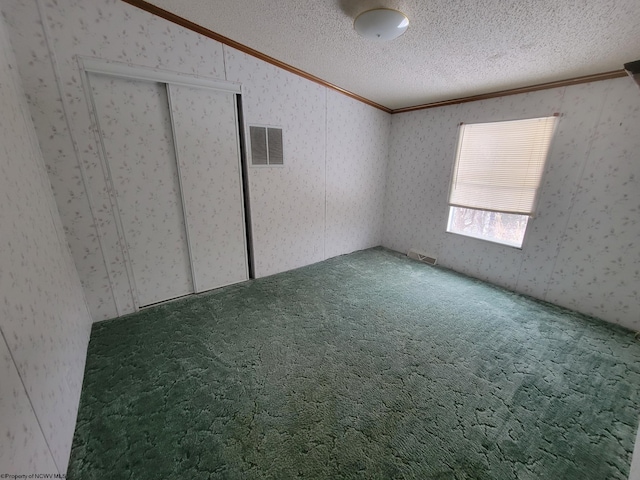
(381, 24)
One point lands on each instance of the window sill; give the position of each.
(494, 242)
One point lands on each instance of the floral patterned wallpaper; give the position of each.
(581, 249)
(44, 320)
(293, 222)
(46, 52)
(357, 152)
(287, 203)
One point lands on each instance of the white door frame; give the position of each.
(90, 65)
(118, 69)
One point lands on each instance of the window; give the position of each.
(496, 177)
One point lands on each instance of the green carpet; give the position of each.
(368, 365)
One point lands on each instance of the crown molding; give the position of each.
(188, 24)
(515, 91)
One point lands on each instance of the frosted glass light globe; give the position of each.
(381, 24)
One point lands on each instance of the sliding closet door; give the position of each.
(135, 125)
(206, 135)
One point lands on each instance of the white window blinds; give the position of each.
(499, 165)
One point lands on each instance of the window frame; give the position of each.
(484, 239)
(537, 196)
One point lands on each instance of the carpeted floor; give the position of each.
(368, 365)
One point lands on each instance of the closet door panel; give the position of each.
(206, 136)
(135, 126)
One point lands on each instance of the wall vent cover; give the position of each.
(266, 145)
(421, 256)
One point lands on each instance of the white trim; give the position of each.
(111, 192)
(185, 217)
(117, 69)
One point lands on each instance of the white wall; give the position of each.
(287, 203)
(44, 320)
(357, 152)
(582, 249)
(294, 223)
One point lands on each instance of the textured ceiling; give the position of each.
(452, 49)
